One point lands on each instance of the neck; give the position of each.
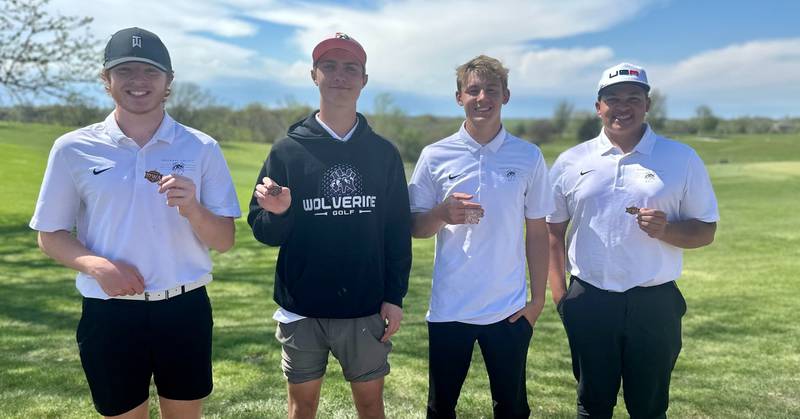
(483, 132)
(339, 119)
(626, 141)
(139, 127)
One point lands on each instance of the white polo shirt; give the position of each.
(594, 182)
(480, 270)
(94, 182)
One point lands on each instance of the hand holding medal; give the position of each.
(273, 197)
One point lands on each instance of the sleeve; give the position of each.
(59, 199)
(422, 190)
(218, 194)
(397, 235)
(561, 212)
(538, 194)
(699, 201)
(268, 228)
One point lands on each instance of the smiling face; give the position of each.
(622, 108)
(137, 88)
(340, 77)
(482, 97)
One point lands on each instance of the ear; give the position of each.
(506, 96)
(647, 105)
(314, 76)
(597, 107)
(366, 78)
(458, 98)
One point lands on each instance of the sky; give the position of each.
(741, 58)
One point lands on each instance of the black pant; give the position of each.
(634, 336)
(504, 346)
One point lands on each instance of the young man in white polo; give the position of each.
(484, 194)
(332, 195)
(627, 203)
(147, 198)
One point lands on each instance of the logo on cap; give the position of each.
(342, 35)
(136, 41)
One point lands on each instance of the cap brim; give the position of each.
(118, 61)
(335, 43)
(645, 86)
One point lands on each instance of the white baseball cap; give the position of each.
(623, 73)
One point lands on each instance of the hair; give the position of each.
(484, 66)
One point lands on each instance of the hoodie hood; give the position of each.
(309, 128)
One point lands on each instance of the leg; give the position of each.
(652, 348)
(115, 355)
(594, 320)
(304, 354)
(180, 409)
(138, 412)
(449, 355)
(504, 346)
(304, 399)
(181, 330)
(368, 398)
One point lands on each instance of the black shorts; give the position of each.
(123, 343)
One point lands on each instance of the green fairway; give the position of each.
(741, 338)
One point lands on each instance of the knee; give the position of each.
(370, 409)
(302, 409)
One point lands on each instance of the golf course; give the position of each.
(741, 333)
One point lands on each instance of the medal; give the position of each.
(274, 190)
(153, 176)
(632, 210)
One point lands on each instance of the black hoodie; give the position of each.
(345, 242)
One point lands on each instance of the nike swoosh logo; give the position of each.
(583, 173)
(97, 172)
(451, 177)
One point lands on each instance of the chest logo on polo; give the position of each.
(342, 190)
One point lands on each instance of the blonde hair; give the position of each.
(482, 65)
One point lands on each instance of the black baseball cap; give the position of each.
(137, 44)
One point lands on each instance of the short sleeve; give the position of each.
(538, 194)
(561, 212)
(699, 201)
(422, 190)
(59, 200)
(218, 194)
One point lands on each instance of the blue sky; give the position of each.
(738, 57)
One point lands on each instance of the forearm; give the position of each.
(689, 234)
(426, 224)
(557, 266)
(537, 252)
(65, 249)
(216, 232)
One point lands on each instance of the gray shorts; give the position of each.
(354, 342)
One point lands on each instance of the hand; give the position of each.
(652, 221)
(453, 210)
(117, 278)
(180, 192)
(392, 315)
(276, 203)
(531, 311)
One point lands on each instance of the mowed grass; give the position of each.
(741, 353)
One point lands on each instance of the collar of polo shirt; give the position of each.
(644, 146)
(165, 131)
(475, 146)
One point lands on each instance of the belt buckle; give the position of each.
(146, 296)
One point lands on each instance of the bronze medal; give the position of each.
(153, 176)
(632, 210)
(274, 190)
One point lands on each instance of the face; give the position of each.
(138, 88)
(482, 98)
(340, 77)
(622, 107)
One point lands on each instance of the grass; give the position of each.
(741, 333)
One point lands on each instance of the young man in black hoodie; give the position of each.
(333, 196)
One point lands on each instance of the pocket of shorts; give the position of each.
(681, 301)
(376, 325)
(85, 325)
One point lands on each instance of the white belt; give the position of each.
(166, 294)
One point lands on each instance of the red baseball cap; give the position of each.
(340, 41)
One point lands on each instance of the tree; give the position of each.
(657, 115)
(705, 120)
(185, 99)
(561, 115)
(41, 53)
